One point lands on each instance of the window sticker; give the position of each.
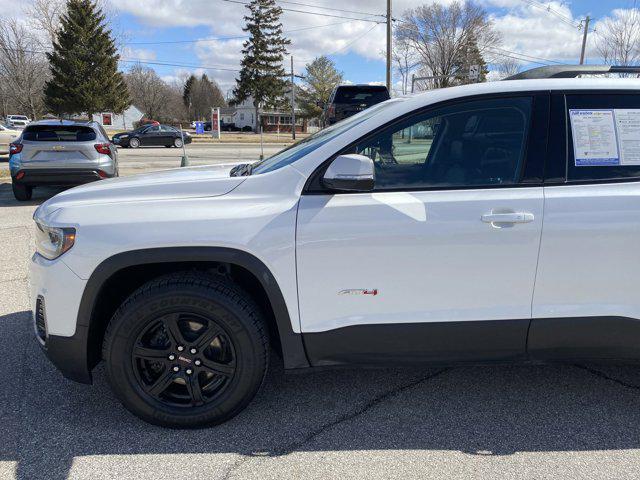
(595, 140)
(628, 134)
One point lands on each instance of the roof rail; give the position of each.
(571, 71)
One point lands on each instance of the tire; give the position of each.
(156, 320)
(22, 193)
(177, 143)
(134, 143)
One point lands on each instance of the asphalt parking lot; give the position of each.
(578, 421)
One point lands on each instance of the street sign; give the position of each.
(215, 122)
(474, 73)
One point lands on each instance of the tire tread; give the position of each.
(213, 283)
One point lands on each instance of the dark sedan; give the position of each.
(152, 136)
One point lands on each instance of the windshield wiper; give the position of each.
(242, 170)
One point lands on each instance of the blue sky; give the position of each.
(525, 25)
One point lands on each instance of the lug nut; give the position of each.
(198, 363)
(176, 369)
(180, 348)
(193, 351)
(172, 357)
(189, 371)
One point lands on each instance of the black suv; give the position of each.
(347, 100)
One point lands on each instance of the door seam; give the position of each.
(535, 278)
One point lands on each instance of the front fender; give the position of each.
(293, 351)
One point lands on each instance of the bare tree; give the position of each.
(618, 38)
(404, 60)
(156, 98)
(507, 67)
(23, 69)
(44, 17)
(443, 36)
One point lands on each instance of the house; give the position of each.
(245, 114)
(271, 120)
(279, 121)
(119, 121)
(227, 115)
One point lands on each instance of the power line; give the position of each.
(311, 13)
(563, 18)
(330, 8)
(169, 64)
(359, 37)
(506, 55)
(503, 50)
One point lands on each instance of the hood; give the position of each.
(179, 183)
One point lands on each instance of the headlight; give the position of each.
(51, 242)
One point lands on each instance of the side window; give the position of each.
(154, 129)
(102, 132)
(474, 144)
(604, 136)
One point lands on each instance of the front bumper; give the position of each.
(64, 341)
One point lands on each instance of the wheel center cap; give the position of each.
(185, 360)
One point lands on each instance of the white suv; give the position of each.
(17, 121)
(488, 223)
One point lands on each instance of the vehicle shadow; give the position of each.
(478, 411)
(40, 194)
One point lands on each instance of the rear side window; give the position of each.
(361, 95)
(59, 133)
(603, 136)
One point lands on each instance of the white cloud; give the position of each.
(141, 54)
(538, 33)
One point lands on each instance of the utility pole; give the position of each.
(389, 41)
(584, 39)
(293, 103)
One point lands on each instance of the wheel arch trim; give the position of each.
(293, 350)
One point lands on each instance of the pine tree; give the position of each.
(187, 95)
(84, 65)
(262, 74)
(320, 80)
(470, 55)
(202, 94)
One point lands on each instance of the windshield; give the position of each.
(298, 150)
(18, 117)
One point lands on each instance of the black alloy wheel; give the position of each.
(187, 350)
(183, 360)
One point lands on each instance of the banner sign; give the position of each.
(215, 122)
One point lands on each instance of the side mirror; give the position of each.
(350, 173)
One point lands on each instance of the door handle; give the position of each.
(508, 218)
